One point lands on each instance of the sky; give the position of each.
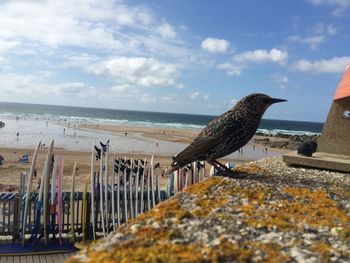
(184, 56)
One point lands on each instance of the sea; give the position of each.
(142, 118)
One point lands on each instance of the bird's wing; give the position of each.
(216, 131)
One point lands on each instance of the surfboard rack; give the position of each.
(11, 216)
(133, 189)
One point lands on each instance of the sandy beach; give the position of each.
(73, 142)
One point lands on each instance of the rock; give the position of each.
(279, 144)
(305, 149)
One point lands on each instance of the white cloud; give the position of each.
(148, 98)
(334, 65)
(206, 96)
(170, 99)
(110, 26)
(230, 69)
(341, 6)
(321, 28)
(280, 79)
(194, 95)
(316, 35)
(6, 45)
(32, 86)
(61, 23)
(122, 93)
(241, 60)
(214, 45)
(146, 72)
(262, 55)
(313, 41)
(166, 30)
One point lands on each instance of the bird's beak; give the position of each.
(274, 100)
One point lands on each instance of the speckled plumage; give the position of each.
(226, 133)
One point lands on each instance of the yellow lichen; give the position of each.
(207, 205)
(322, 249)
(205, 186)
(249, 169)
(167, 209)
(306, 207)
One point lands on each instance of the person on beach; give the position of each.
(17, 135)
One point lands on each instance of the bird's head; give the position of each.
(257, 103)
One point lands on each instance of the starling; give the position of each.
(226, 133)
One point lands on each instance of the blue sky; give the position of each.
(182, 56)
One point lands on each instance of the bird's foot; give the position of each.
(225, 171)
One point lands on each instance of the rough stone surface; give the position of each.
(276, 214)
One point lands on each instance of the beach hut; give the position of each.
(333, 151)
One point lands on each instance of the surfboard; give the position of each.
(59, 201)
(39, 203)
(112, 192)
(152, 181)
(176, 181)
(157, 183)
(125, 194)
(143, 186)
(130, 188)
(92, 182)
(148, 186)
(53, 197)
(106, 187)
(83, 216)
(202, 172)
(118, 192)
(29, 191)
(137, 188)
(194, 179)
(72, 208)
(46, 197)
(101, 193)
(212, 171)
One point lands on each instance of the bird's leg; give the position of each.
(223, 166)
(219, 168)
(227, 171)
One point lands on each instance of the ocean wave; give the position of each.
(286, 132)
(145, 123)
(91, 120)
